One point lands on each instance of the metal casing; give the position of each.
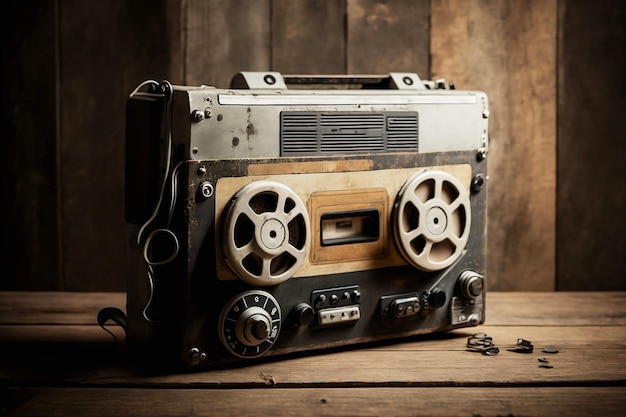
(301, 219)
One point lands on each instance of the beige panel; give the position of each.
(308, 167)
(306, 185)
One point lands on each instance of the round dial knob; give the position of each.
(249, 324)
(254, 326)
(470, 284)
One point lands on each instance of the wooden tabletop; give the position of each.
(56, 360)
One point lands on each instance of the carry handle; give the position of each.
(255, 80)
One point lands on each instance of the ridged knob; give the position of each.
(302, 315)
(471, 284)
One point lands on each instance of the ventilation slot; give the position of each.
(316, 133)
(402, 133)
(299, 133)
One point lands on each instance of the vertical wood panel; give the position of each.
(101, 61)
(508, 50)
(29, 181)
(222, 38)
(386, 36)
(591, 227)
(308, 36)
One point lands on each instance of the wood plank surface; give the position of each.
(508, 50)
(431, 401)
(581, 360)
(54, 363)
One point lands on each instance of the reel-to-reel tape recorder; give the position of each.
(274, 220)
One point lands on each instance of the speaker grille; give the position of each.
(321, 133)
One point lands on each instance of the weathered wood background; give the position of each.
(553, 71)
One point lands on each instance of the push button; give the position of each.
(405, 307)
(341, 315)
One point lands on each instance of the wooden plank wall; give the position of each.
(30, 235)
(556, 188)
(591, 232)
(508, 49)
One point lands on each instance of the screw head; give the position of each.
(206, 189)
(197, 116)
(194, 356)
(478, 182)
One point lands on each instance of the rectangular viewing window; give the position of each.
(347, 227)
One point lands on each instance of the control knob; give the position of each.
(249, 324)
(253, 326)
(470, 284)
(431, 300)
(302, 315)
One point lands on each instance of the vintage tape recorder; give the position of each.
(271, 219)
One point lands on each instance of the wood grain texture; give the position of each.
(63, 165)
(591, 231)
(95, 78)
(83, 353)
(433, 402)
(55, 366)
(420, 362)
(308, 37)
(222, 38)
(30, 235)
(388, 36)
(508, 50)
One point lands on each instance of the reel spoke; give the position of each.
(438, 188)
(412, 234)
(417, 202)
(291, 215)
(455, 204)
(243, 251)
(425, 253)
(455, 240)
(266, 267)
(294, 251)
(251, 214)
(281, 205)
